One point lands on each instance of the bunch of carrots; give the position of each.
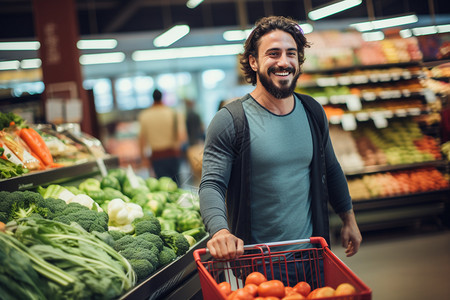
(23, 145)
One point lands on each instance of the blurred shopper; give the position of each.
(269, 168)
(163, 131)
(196, 138)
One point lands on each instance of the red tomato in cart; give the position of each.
(288, 290)
(294, 296)
(255, 278)
(225, 288)
(303, 288)
(251, 288)
(241, 294)
(272, 288)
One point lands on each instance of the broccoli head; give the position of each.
(116, 234)
(90, 220)
(16, 205)
(123, 243)
(152, 238)
(148, 223)
(142, 253)
(142, 267)
(175, 240)
(166, 256)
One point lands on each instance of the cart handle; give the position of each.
(313, 240)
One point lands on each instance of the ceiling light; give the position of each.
(34, 63)
(32, 45)
(406, 33)
(306, 28)
(443, 28)
(332, 9)
(425, 30)
(187, 52)
(193, 3)
(385, 23)
(236, 35)
(171, 36)
(102, 58)
(97, 44)
(9, 65)
(373, 36)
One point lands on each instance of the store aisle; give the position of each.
(403, 263)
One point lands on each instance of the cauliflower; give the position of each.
(122, 214)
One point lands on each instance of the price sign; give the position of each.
(379, 120)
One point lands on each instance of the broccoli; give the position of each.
(175, 240)
(138, 248)
(153, 238)
(142, 253)
(90, 220)
(16, 205)
(147, 223)
(166, 256)
(142, 267)
(116, 234)
(51, 207)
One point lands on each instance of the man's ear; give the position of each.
(253, 63)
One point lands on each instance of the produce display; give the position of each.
(257, 287)
(101, 237)
(401, 143)
(397, 183)
(31, 148)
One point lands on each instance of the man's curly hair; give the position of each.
(262, 27)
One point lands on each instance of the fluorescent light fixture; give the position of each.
(171, 36)
(187, 52)
(373, 36)
(193, 3)
(306, 28)
(102, 58)
(332, 9)
(385, 23)
(236, 35)
(425, 30)
(9, 65)
(406, 33)
(16, 46)
(97, 44)
(34, 63)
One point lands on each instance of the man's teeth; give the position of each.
(282, 73)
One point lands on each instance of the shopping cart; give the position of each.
(289, 266)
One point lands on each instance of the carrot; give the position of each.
(37, 144)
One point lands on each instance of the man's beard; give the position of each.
(279, 92)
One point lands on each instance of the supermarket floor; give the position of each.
(404, 263)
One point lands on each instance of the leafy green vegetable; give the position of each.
(111, 182)
(120, 174)
(9, 169)
(189, 219)
(83, 266)
(197, 233)
(167, 184)
(152, 184)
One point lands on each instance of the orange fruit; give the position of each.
(271, 288)
(345, 289)
(303, 288)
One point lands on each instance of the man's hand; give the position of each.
(224, 245)
(350, 234)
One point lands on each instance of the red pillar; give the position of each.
(56, 27)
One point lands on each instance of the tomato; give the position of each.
(242, 294)
(303, 288)
(255, 278)
(294, 296)
(345, 289)
(225, 288)
(252, 289)
(289, 290)
(270, 298)
(322, 292)
(271, 288)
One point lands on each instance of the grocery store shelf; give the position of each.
(363, 67)
(390, 168)
(57, 175)
(402, 200)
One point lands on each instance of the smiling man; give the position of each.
(269, 168)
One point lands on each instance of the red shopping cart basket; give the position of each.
(316, 265)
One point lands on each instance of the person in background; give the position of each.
(269, 168)
(194, 124)
(163, 131)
